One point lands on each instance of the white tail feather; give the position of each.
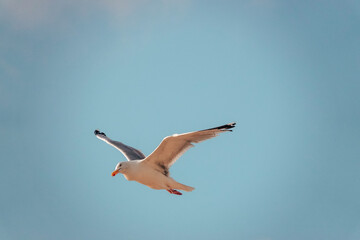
(180, 186)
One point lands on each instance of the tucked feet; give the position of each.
(173, 191)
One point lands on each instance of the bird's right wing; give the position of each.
(172, 147)
(129, 152)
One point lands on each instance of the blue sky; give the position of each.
(286, 71)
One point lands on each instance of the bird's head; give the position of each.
(120, 168)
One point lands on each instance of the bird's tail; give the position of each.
(180, 186)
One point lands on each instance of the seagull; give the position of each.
(153, 170)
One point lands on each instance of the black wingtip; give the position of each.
(231, 125)
(228, 126)
(97, 132)
(224, 127)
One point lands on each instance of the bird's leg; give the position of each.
(173, 191)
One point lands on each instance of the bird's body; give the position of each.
(140, 171)
(153, 170)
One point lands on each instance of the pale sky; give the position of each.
(286, 71)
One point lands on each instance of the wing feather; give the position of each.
(129, 152)
(172, 147)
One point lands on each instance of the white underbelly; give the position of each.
(148, 177)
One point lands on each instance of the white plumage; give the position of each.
(153, 170)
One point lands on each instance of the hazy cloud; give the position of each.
(34, 13)
(25, 13)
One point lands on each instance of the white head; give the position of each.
(120, 168)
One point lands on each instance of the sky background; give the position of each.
(286, 71)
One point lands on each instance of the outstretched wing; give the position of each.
(129, 152)
(172, 147)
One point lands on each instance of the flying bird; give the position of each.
(153, 170)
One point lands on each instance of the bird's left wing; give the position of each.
(129, 152)
(172, 147)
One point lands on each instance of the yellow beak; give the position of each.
(114, 173)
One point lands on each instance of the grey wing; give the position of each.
(172, 147)
(129, 152)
